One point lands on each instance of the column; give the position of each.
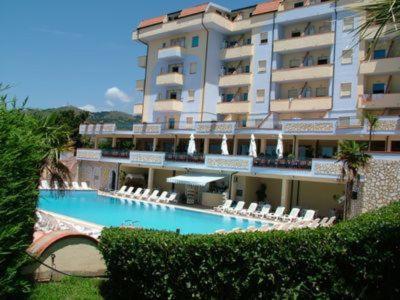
(176, 143)
(296, 148)
(235, 146)
(233, 188)
(155, 142)
(206, 145)
(285, 194)
(150, 179)
(96, 143)
(263, 145)
(114, 142)
(134, 143)
(388, 144)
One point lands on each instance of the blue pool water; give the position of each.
(108, 211)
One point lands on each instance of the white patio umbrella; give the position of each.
(192, 145)
(224, 146)
(279, 146)
(253, 147)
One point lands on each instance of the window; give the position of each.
(189, 120)
(322, 60)
(296, 33)
(294, 63)
(348, 23)
(245, 97)
(190, 95)
(345, 89)
(171, 123)
(247, 69)
(193, 68)
(347, 56)
(379, 54)
(263, 38)
(292, 93)
(378, 88)
(195, 41)
(260, 95)
(262, 66)
(298, 4)
(321, 92)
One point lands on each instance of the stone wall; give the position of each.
(97, 174)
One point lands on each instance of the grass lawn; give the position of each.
(68, 288)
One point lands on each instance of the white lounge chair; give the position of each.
(277, 214)
(308, 216)
(66, 185)
(251, 209)
(314, 223)
(323, 221)
(84, 185)
(171, 198)
(294, 213)
(44, 184)
(56, 187)
(239, 206)
(75, 185)
(154, 195)
(163, 197)
(137, 193)
(329, 222)
(128, 192)
(145, 194)
(121, 190)
(227, 204)
(263, 212)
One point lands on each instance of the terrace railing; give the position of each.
(282, 163)
(184, 157)
(115, 153)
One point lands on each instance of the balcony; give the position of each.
(301, 105)
(88, 154)
(321, 40)
(140, 85)
(380, 66)
(379, 101)
(302, 73)
(233, 107)
(242, 79)
(171, 53)
(141, 61)
(138, 109)
(168, 105)
(170, 79)
(239, 52)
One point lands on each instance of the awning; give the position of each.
(194, 179)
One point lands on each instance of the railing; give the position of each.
(184, 157)
(282, 163)
(115, 153)
(235, 44)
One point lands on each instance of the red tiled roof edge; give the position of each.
(193, 10)
(152, 21)
(266, 7)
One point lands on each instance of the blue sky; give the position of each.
(73, 52)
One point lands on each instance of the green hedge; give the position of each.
(357, 258)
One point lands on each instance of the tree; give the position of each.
(385, 14)
(373, 121)
(353, 158)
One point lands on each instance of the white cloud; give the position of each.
(88, 107)
(114, 93)
(110, 103)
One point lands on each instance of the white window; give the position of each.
(345, 89)
(293, 93)
(263, 38)
(260, 95)
(262, 66)
(348, 23)
(347, 56)
(190, 95)
(193, 68)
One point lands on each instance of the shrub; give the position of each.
(357, 258)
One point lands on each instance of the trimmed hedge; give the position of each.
(357, 258)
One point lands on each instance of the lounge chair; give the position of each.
(251, 228)
(294, 213)
(137, 193)
(154, 195)
(277, 214)
(84, 185)
(263, 212)
(121, 190)
(145, 194)
(330, 222)
(239, 206)
(163, 197)
(44, 184)
(75, 185)
(56, 187)
(227, 204)
(323, 221)
(314, 223)
(171, 198)
(66, 185)
(128, 192)
(251, 209)
(308, 216)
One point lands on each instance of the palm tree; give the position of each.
(353, 158)
(380, 13)
(372, 123)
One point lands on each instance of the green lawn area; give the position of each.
(68, 288)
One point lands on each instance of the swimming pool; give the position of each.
(109, 211)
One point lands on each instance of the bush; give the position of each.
(357, 258)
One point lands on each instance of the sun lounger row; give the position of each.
(44, 185)
(146, 194)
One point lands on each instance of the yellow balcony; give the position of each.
(234, 107)
(380, 66)
(379, 101)
(141, 61)
(140, 85)
(301, 105)
(169, 79)
(235, 80)
(303, 73)
(170, 53)
(237, 52)
(168, 105)
(305, 42)
(138, 109)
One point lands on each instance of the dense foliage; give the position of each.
(354, 259)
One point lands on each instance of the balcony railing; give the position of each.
(184, 157)
(282, 163)
(115, 153)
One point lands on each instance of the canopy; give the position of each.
(194, 179)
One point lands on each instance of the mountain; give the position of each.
(122, 119)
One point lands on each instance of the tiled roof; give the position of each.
(152, 21)
(193, 10)
(266, 7)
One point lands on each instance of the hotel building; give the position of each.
(289, 68)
